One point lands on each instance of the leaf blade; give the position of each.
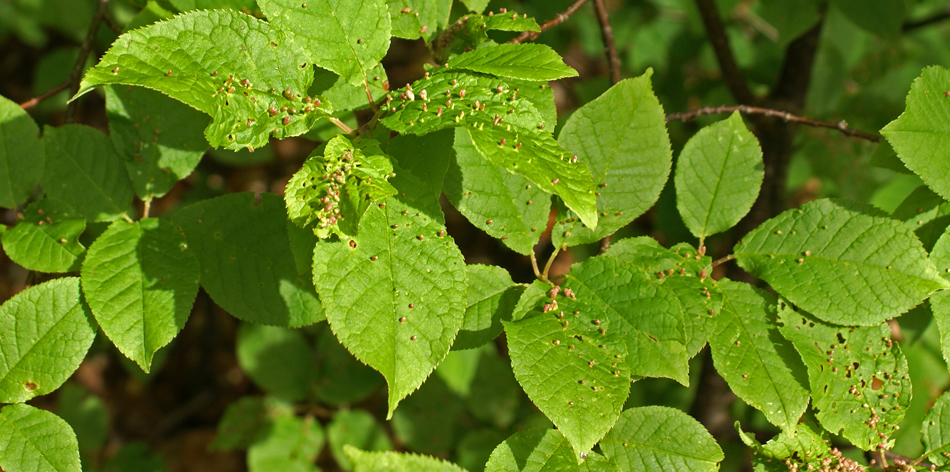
(661, 438)
(518, 61)
(22, 155)
(35, 439)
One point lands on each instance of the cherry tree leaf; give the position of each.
(534, 450)
(246, 74)
(492, 297)
(289, 443)
(806, 445)
(569, 354)
(936, 432)
(629, 160)
(331, 192)
(513, 141)
(920, 135)
(844, 262)
(159, 138)
(413, 19)
(926, 213)
(276, 359)
(940, 301)
(140, 280)
(394, 294)
(22, 155)
(364, 461)
(357, 428)
(348, 37)
(472, 30)
(47, 238)
(36, 440)
(857, 375)
(84, 170)
(661, 438)
(506, 206)
(759, 365)
(527, 61)
(883, 17)
(47, 331)
(247, 265)
(718, 176)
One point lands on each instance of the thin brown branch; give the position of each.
(558, 19)
(731, 75)
(610, 47)
(841, 126)
(49, 93)
(936, 18)
(112, 24)
(84, 51)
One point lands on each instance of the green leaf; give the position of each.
(86, 414)
(47, 331)
(458, 370)
(395, 293)
(21, 157)
(926, 213)
(806, 446)
(347, 37)
(236, 68)
(140, 280)
(396, 462)
(291, 444)
(356, 428)
(340, 378)
(529, 61)
(470, 31)
(510, 140)
(476, 6)
(428, 420)
(790, 18)
(882, 17)
(159, 138)
(186, 5)
(718, 176)
(426, 158)
(136, 456)
(504, 205)
(936, 432)
(413, 19)
(492, 296)
(759, 365)
(345, 96)
(629, 160)
(858, 377)
(534, 450)
(661, 438)
(36, 440)
(278, 360)
(495, 394)
(83, 169)
(940, 301)
(331, 192)
(247, 266)
(861, 266)
(921, 132)
(46, 245)
(242, 423)
(570, 357)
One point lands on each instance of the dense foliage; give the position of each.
(827, 336)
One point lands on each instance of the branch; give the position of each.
(84, 51)
(112, 24)
(558, 19)
(339, 124)
(723, 260)
(912, 25)
(53, 91)
(731, 74)
(613, 60)
(841, 126)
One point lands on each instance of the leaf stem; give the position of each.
(558, 19)
(84, 51)
(723, 260)
(147, 205)
(339, 124)
(49, 93)
(547, 267)
(369, 95)
(841, 126)
(534, 265)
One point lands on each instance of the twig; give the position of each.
(369, 96)
(613, 60)
(339, 124)
(53, 91)
(84, 51)
(723, 260)
(912, 25)
(547, 267)
(558, 19)
(841, 126)
(731, 74)
(112, 24)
